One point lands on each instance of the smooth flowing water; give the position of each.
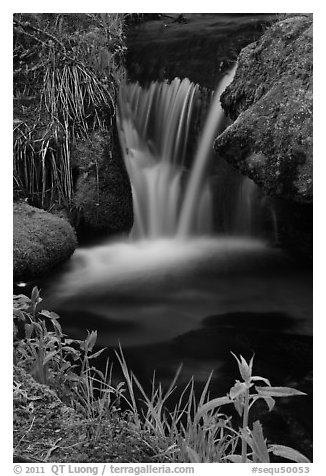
(154, 291)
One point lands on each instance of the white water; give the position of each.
(154, 126)
(196, 185)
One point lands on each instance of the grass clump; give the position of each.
(193, 431)
(67, 69)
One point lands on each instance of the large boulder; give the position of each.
(270, 101)
(41, 241)
(103, 198)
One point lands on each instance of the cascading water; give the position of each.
(170, 201)
(154, 129)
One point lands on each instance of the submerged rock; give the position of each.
(41, 241)
(270, 100)
(103, 197)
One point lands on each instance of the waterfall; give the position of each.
(171, 190)
(196, 181)
(154, 128)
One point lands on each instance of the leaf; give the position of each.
(73, 341)
(96, 354)
(75, 354)
(49, 314)
(238, 389)
(21, 302)
(288, 453)
(236, 459)
(57, 327)
(35, 296)
(278, 391)
(215, 403)
(257, 377)
(19, 314)
(193, 455)
(90, 341)
(244, 369)
(270, 402)
(49, 356)
(29, 328)
(259, 444)
(239, 405)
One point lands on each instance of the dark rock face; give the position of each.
(41, 241)
(103, 197)
(270, 100)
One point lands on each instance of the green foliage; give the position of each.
(52, 358)
(194, 431)
(64, 364)
(67, 68)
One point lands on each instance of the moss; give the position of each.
(46, 429)
(103, 191)
(271, 102)
(41, 241)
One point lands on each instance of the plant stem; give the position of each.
(245, 426)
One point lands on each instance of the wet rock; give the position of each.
(41, 241)
(103, 199)
(270, 100)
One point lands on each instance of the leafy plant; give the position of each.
(63, 364)
(243, 399)
(49, 356)
(200, 432)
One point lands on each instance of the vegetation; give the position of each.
(193, 431)
(67, 68)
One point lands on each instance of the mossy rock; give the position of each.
(41, 241)
(103, 198)
(271, 102)
(40, 418)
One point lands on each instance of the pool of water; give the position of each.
(154, 290)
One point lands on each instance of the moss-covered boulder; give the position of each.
(103, 198)
(270, 100)
(41, 241)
